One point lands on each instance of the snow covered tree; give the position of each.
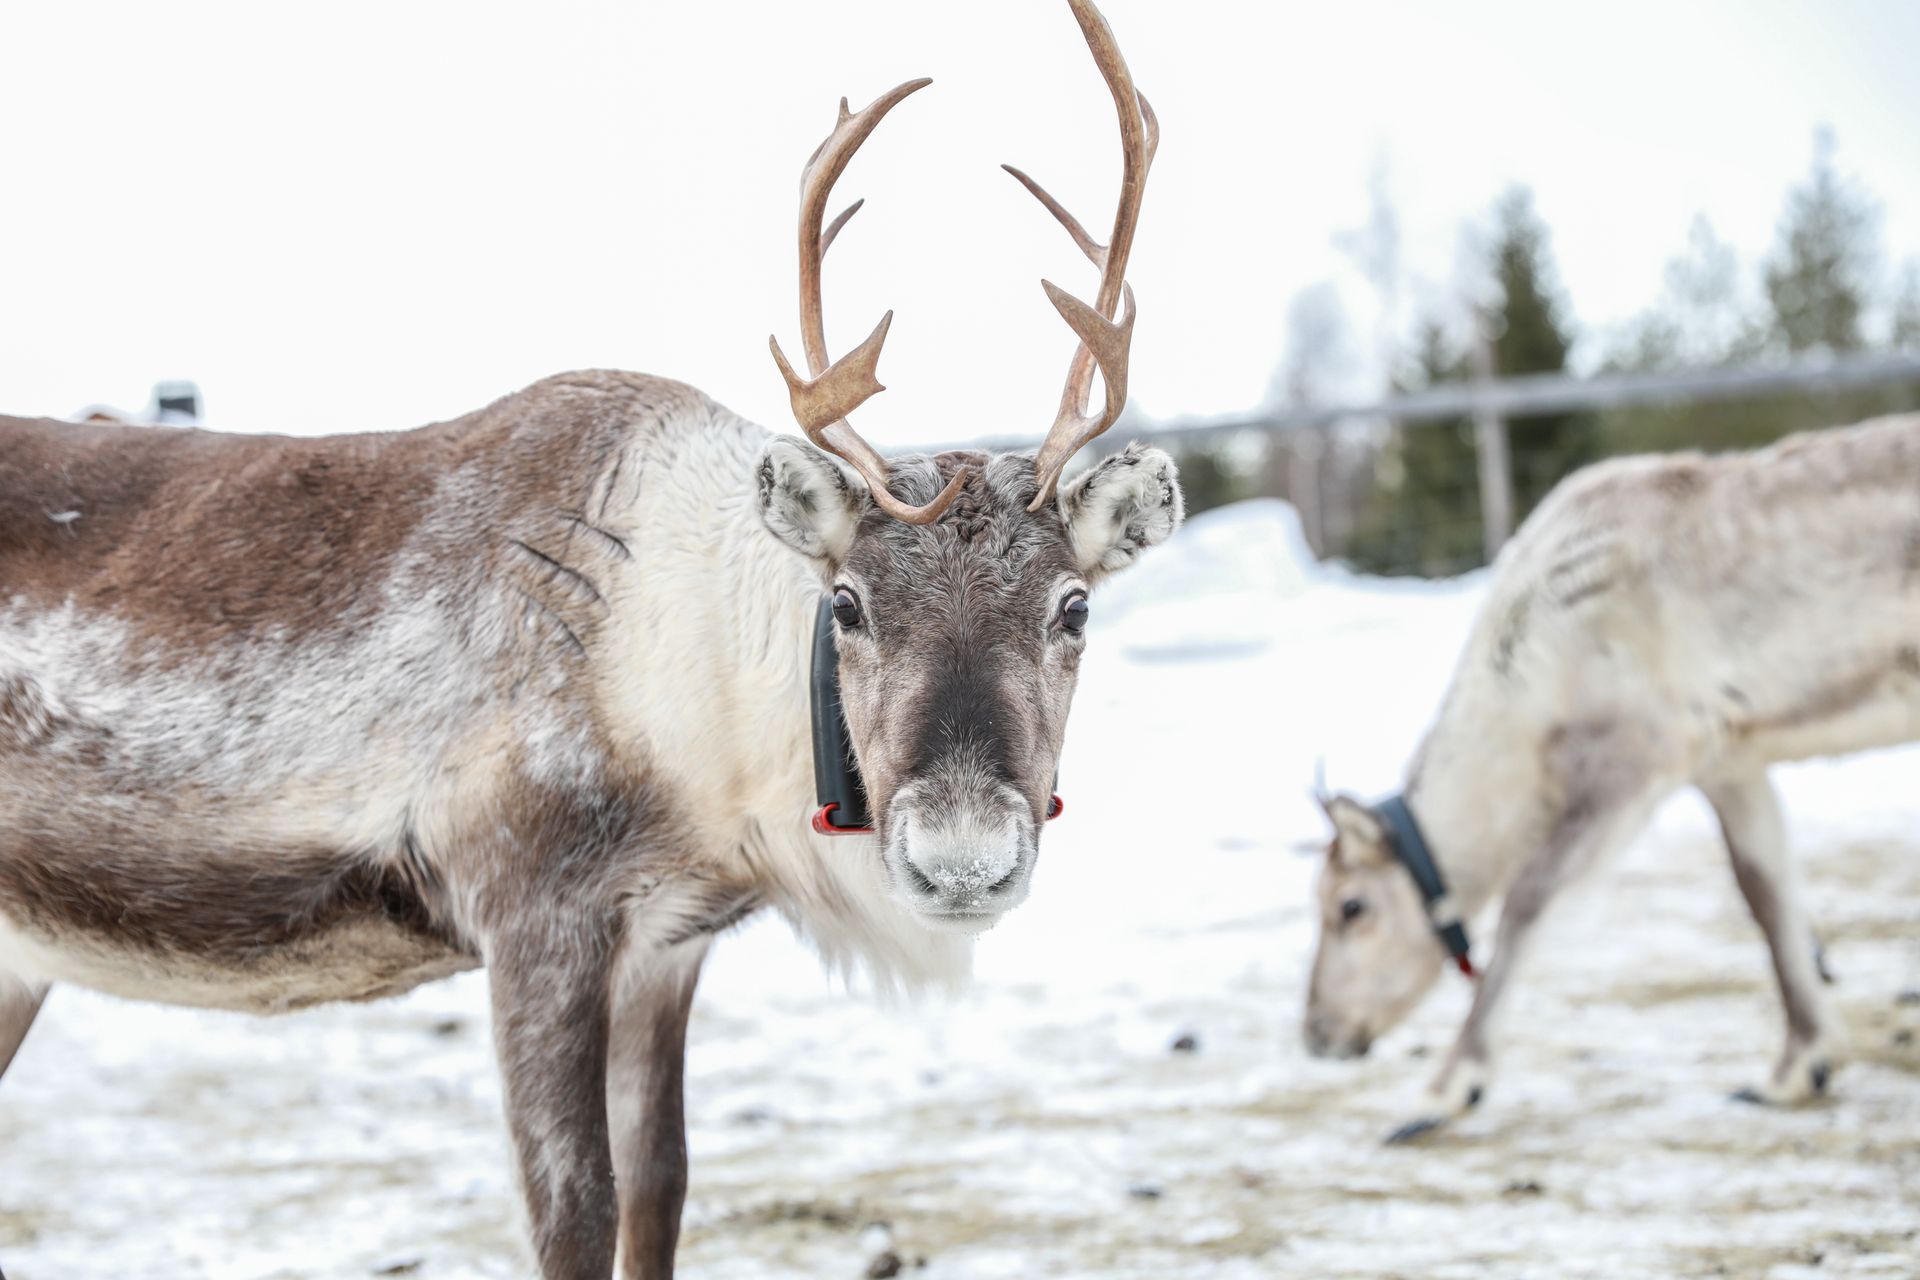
(1820, 277)
(1704, 318)
(1320, 356)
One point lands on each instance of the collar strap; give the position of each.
(842, 795)
(1409, 845)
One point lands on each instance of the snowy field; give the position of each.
(1043, 1125)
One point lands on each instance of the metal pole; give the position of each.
(1526, 396)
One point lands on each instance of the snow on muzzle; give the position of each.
(960, 858)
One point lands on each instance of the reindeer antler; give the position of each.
(822, 401)
(1103, 341)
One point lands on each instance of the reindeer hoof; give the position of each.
(1803, 1077)
(1413, 1130)
(1748, 1095)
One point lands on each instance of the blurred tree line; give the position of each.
(1405, 499)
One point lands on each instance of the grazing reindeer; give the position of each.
(1659, 622)
(286, 721)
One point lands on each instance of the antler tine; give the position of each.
(1104, 341)
(833, 228)
(1088, 245)
(834, 389)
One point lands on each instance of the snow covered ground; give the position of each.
(1042, 1125)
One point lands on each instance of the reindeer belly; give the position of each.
(258, 935)
(1878, 708)
(353, 962)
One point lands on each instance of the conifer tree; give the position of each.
(1425, 513)
(1531, 335)
(1819, 278)
(1906, 311)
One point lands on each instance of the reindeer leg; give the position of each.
(550, 990)
(19, 1002)
(1588, 830)
(1749, 812)
(652, 998)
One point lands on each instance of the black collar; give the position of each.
(1409, 845)
(842, 796)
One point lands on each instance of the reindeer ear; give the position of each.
(1120, 506)
(1358, 837)
(809, 499)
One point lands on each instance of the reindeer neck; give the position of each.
(708, 667)
(772, 651)
(1472, 795)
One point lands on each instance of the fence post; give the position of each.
(1490, 447)
(1304, 487)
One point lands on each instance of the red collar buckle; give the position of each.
(823, 823)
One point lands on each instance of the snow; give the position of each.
(1041, 1124)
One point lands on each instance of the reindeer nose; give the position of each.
(1315, 1034)
(1322, 1034)
(961, 869)
(961, 875)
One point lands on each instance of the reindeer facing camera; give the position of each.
(285, 721)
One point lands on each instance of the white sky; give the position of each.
(358, 215)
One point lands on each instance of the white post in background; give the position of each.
(1304, 484)
(1490, 445)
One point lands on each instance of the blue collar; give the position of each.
(1409, 845)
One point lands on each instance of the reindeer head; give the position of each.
(1376, 956)
(960, 582)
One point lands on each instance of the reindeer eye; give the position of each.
(1074, 613)
(846, 608)
(1352, 909)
